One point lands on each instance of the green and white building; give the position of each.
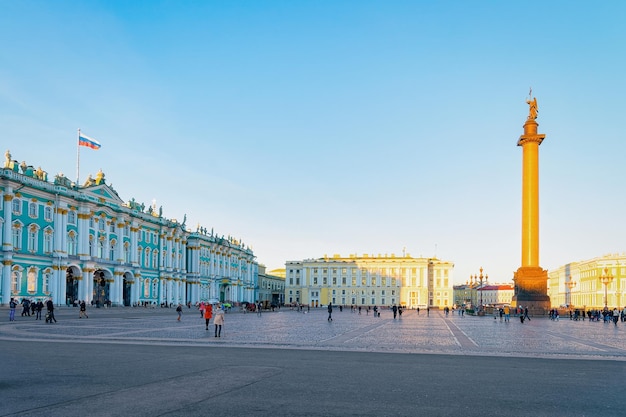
(71, 242)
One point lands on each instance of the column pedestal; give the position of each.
(531, 288)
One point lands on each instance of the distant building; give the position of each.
(370, 280)
(495, 294)
(271, 288)
(580, 284)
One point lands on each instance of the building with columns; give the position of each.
(71, 242)
(365, 280)
(590, 284)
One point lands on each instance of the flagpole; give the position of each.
(78, 158)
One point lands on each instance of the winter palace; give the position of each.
(72, 242)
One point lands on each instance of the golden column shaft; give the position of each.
(530, 142)
(530, 204)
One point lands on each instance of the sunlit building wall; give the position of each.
(579, 284)
(370, 280)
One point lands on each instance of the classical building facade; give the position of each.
(71, 242)
(370, 280)
(591, 283)
(271, 288)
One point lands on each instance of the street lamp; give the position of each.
(569, 284)
(606, 279)
(479, 280)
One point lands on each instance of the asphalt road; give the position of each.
(78, 376)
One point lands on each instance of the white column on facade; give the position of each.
(7, 241)
(6, 281)
(134, 231)
(84, 216)
(119, 231)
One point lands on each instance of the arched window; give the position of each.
(32, 210)
(17, 206)
(71, 217)
(92, 249)
(146, 288)
(46, 281)
(126, 252)
(47, 213)
(155, 287)
(48, 238)
(71, 243)
(17, 235)
(16, 281)
(32, 280)
(33, 234)
(112, 249)
(155, 258)
(101, 247)
(147, 258)
(139, 255)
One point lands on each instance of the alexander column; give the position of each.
(531, 281)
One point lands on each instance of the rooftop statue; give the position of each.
(100, 177)
(533, 109)
(89, 182)
(7, 159)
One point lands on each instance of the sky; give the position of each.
(312, 128)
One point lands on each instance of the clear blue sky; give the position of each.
(318, 127)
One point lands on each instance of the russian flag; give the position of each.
(84, 140)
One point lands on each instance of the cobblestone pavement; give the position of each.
(290, 329)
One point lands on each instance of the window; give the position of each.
(32, 210)
(155, 287)
(112, 227)
(17, 206)
(48, 235)
(46, 283)
(112, 247)
(101, 224)
(33, 232)
(71, 243)
(91, 222)
(334, 280)
(126, 252)
(17, 235)
(16, 281)
(47, 213)
(32, 281)
(139, 257)
(71, 217)
(147, 258)
(101, 251)
(314, 280)
(155, 258)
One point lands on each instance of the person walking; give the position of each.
(330, 311)
(219, 321)
(83, 310)
(38, 308)
(615, 316)
(50, 307)
(507, 313)
(12, 307)
(179, 310)
(208, 313)
(526, 316)
(395, 311)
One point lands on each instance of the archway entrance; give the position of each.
(100, 289)
(71, 286)
(128, 285)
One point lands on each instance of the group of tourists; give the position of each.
(206, 312)
(32, 308)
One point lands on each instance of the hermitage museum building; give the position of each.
(71, 242)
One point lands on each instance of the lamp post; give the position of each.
(569, 284)
(479, 279)
(606, 279)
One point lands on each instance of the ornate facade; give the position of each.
(368, 281)
(72, 242)
(590, 283)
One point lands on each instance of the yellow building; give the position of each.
(369, 280)
(592, 283)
